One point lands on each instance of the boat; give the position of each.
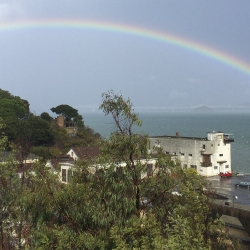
(243, 184)
(225, 174)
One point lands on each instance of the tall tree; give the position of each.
(12, 105)
(45, 116)
(67, 111)
(119, 201)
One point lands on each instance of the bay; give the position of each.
(188, 124)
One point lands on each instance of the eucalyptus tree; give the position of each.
(114, 202)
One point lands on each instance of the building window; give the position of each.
(119, 172)
(220, 154)
(167, 152)
(64, 175)
(227, 166)
(190, 154)
(182, 153)
(206, 161)
(212, 145)
(70, 175)
(193, 166)
(215, 167)
(150, 169)
(157, 143)
(204, 146)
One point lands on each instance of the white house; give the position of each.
(209, 156)
(80, 153)
(67, 169)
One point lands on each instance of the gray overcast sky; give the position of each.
(49, 66)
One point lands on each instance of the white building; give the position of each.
(209, 156)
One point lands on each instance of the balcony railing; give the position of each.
(206, 164)
(228, 140)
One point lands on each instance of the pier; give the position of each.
(241, 212)
(233, 205)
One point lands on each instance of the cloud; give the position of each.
(4, 11)
(10, 10)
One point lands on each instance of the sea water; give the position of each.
(190, 125)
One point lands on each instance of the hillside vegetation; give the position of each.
(41, 134)
(112, 201)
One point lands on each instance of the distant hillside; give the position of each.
(203, 109)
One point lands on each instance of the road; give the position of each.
(226, 187)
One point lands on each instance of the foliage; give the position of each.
(67, 111)
(3, 137)
(121, 111)
(24, 128)
(114, 201)
(191, 223)
(79, 121)
(33, 130)
(45, 116)
(12, 106)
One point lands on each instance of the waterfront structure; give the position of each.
(209, 156)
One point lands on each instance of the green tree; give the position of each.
(3, 137)
(12, 105)
(79, 121)
(114, 202)
(67, 111)
(45, 116)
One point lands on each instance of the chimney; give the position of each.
(60, 120)
(177, 134)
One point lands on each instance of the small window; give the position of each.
(64, 173)
(212, 145)
(227, 166)
(182, 153)
(219, 144)
(220, 154)
(157, 142)
(190, 154)
(167, 152)
(70, 175)
(119, 172)
(215, 167)
(193, 166)
(150, 169)
(204, 146)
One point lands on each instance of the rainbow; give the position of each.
(135, 31)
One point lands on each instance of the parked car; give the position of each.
(243, 184)
(226, 174)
